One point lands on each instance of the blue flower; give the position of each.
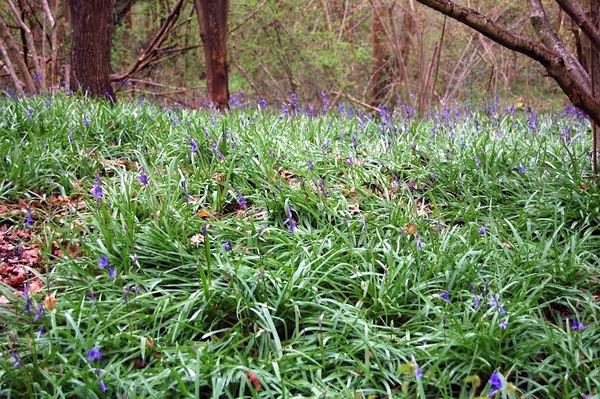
(499, 306)
(482, 230)
(576, 325)
(227, 245)
(143, 177)
(184, 187)
(242, 202)
(103, 262)
(310, 165)
(94, 354)
(193, 144)
(27, 296)
(445, 296)
(290, 222)
(29, 218)
(102, 386)
(16, 359)
(86, 121)
(419, 244)
(476, 302)
(503, 324)
(97, 191)
(418, 373)
(522, 169)
(41, 331)
(112, 273)
(496, 382)
(39, 313)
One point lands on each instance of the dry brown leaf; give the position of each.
(410, 229)
(49, 302)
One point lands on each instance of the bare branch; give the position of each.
(12, 54)
(579, 17)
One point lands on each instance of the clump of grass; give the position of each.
(253, 254)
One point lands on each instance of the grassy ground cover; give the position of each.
(188, 254)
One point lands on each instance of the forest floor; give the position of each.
(148, 252)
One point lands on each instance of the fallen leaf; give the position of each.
(49, 302)
(197, 239)
(410, 229)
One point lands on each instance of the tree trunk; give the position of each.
(595, 75)
(14, 56)
(91, 27)
(378, 80)
(212, 18)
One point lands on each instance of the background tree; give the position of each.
(550, 50)
(212, 18)
(91, 35)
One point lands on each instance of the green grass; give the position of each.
(348, 304)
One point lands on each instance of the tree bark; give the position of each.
(595, 76)
(13, 54)
(91, 27)
(212, 18)
(379, 65)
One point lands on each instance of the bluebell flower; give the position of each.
(354, 141)
(418, 373)
(97, 191)
(503, 324)
(193, 144)
(576, 325)
(86, 121)
(310, 165)
(102, 386)
(94, 354)
(39, 313)
(499, 306)
(143, 177)
(477, 162)
(290, 222)
(227, 245)
(496, 382)
(522, 169)
(262, 103)
(476, 302)
(29, 218)
(112, 273)
(445, 296)
(350, 161)
(242, 202)
(419, 244)
(482, 230)
(16, 359)
(41, 330)
(184, 187)
(103, 262)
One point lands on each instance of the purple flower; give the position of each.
(576, 325)
(418, 373)
(445, 296)
(29, 112)
(94, 354)
(41, 331)
(350, 161)
(242, 202)
(482, 230)
(227, 245)
(477, 162)
(27, 296)
(102, 386)
(184, 187)
(354, 141)
(39, 313)
(499, 306)
(310, 165)
(419, 244)
(97, 191)
(112, 273)
(16, 359)
(522, 169)
(143, 177)
(91, 295)
(29, 218)
(262, 103)
(103, 262)
(476, 302)
(193, 144)
(86, 121)
(496, 382)
(503, 324)
(290, 222)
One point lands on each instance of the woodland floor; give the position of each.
(151, 252)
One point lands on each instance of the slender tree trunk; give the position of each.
(91, 27)
(595, 75)
(378, 80)
(212, 18)
(13, 55)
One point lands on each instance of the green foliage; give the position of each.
(348, 304)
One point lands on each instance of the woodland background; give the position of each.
(368, 51)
